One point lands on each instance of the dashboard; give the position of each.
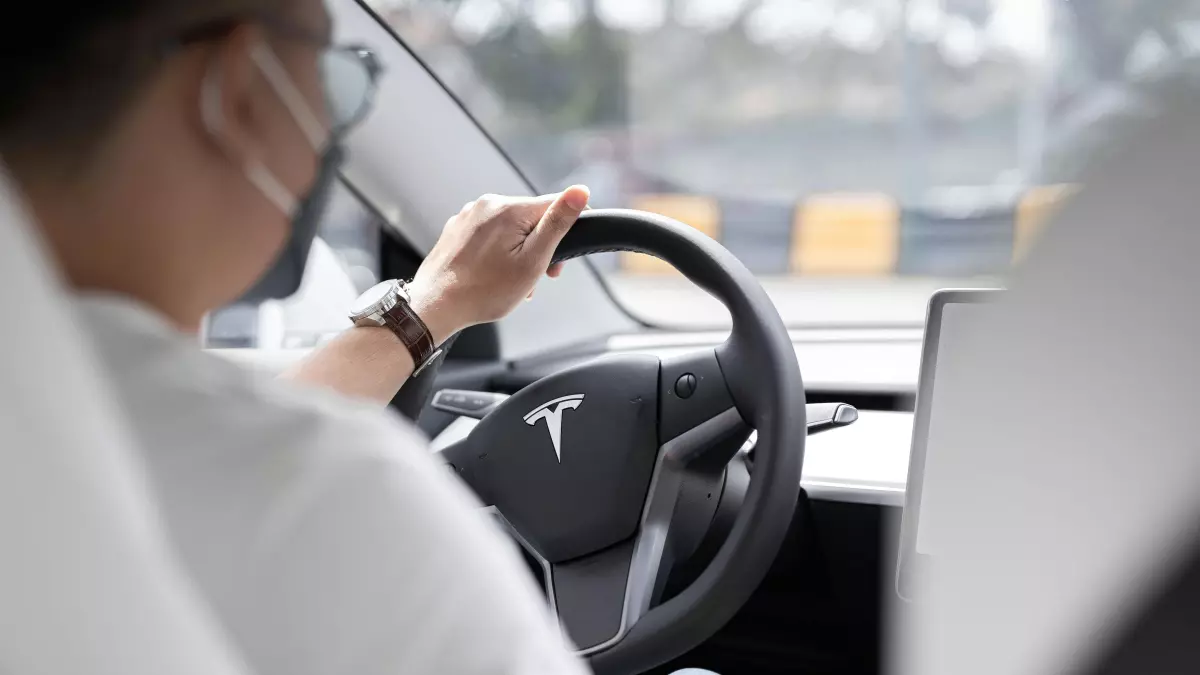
(866, 462)
(833, 360)
(830, 575)
(875, 369)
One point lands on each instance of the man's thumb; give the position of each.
(561, 215)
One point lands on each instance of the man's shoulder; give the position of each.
(205, 422)
(285, 501)
(245, 411)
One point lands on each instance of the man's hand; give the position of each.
(489, 258)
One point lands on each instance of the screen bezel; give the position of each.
(909, 563)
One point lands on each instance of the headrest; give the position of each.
(89, 585)
(1080, 445)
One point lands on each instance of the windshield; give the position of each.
(855, 154)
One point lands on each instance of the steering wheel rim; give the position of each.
(758, 367)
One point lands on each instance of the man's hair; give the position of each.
(69, 70)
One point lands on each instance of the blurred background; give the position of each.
(855, 154)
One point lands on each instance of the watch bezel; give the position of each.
(373, 314)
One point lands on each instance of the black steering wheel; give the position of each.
(612, 475)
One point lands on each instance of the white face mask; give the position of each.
(283, 278)
(302, 113)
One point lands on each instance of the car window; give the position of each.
(855, 154)
(343, 262)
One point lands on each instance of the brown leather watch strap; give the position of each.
(407, 326)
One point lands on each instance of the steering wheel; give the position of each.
(611, 474)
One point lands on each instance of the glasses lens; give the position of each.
(348, 87)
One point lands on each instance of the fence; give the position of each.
(848, 234)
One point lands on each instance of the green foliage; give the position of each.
(570, 82)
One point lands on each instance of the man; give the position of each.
(172, 152)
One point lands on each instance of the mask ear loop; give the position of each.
(275, 72)
(256, 172)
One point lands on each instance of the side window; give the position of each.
(344, 262)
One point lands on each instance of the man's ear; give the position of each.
(231, 106)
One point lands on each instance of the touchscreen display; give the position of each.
(952, 385)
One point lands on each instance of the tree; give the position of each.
(1107, 31)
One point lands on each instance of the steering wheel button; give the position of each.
(685, 386)
(479, 402)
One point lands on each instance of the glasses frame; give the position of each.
(217, 28)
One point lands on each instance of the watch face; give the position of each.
(372, 297)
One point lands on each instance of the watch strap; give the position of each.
(412, 331)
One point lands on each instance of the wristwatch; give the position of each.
(387, 304)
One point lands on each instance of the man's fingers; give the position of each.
(555, 270)
(561, 215)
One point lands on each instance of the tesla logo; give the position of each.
(552, 411)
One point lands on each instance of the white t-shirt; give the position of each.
(325, 536)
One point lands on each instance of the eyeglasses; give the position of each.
(349, 73)
(349, 76)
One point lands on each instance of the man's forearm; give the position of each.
(363, 362)
(488, 258)
(372, 363)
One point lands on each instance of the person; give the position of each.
(174, 154)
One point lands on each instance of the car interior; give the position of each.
(703, 466)
(688, 559)
(420, 156)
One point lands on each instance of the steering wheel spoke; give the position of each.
(693, 390)
(599, 597)
(591, 595)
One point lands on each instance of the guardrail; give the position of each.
(855, 234)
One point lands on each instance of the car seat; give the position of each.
(87, 582)
(1072, 545)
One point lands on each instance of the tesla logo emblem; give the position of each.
(552, 411)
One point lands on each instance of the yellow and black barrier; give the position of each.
(856, 234)
(1033, 211)
(702, 213)
(846, 234)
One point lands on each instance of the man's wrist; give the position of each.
(433, 310)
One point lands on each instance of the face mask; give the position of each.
(283, 277)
